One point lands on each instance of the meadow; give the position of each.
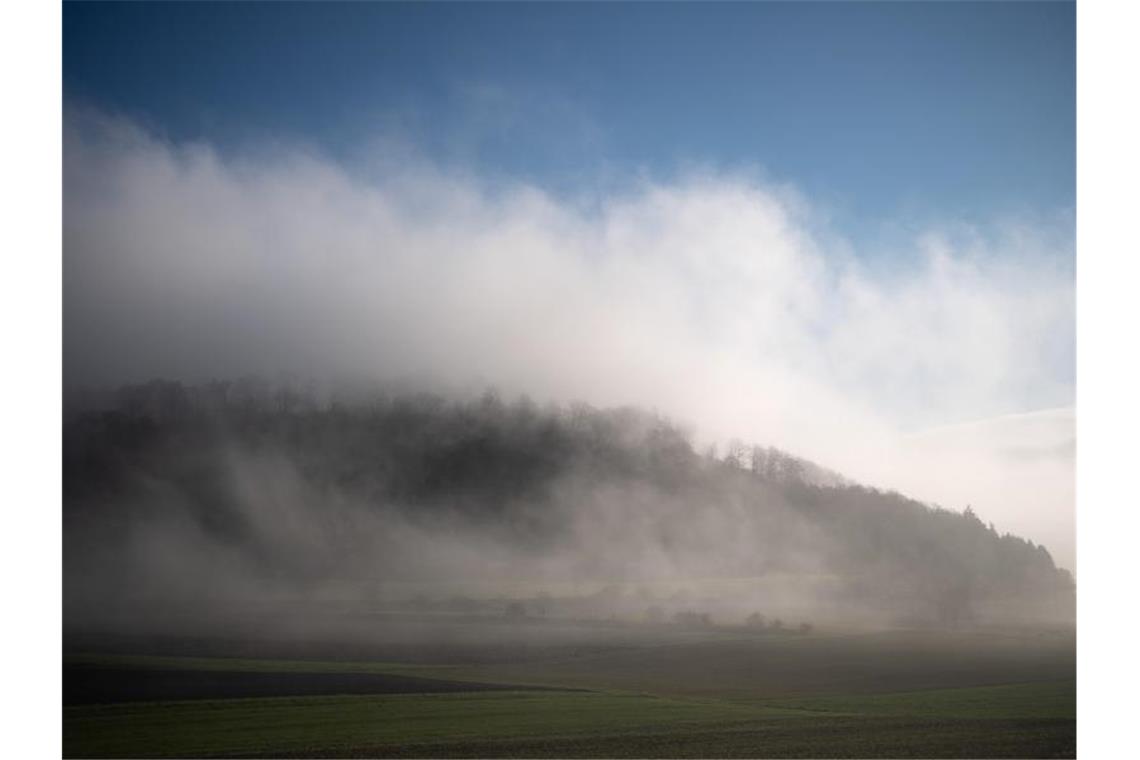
(992, 693)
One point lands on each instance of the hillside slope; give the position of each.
(228, 492)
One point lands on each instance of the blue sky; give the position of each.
(889, 116)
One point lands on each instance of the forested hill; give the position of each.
(228, 488)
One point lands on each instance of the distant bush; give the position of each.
(756, 620)
(692, 619)
(542, 604)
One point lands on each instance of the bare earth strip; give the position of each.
(102, 685)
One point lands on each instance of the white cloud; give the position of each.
(709, 297)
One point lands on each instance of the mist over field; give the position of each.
(717, 299)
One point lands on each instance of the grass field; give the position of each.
(901, 694)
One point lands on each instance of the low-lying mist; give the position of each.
(217, 507)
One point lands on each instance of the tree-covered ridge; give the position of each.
(274, 483)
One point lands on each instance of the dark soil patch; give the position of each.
(84, 685)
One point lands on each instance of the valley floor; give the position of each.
(892, 694)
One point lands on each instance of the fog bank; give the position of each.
(712, 297)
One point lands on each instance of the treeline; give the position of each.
(618, 492)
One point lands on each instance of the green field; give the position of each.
(881, 695)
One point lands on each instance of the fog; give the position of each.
(717, 298)
(275, 543)
(213, 509)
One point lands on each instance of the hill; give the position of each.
(226, 495)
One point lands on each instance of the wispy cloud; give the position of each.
(712, 297)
